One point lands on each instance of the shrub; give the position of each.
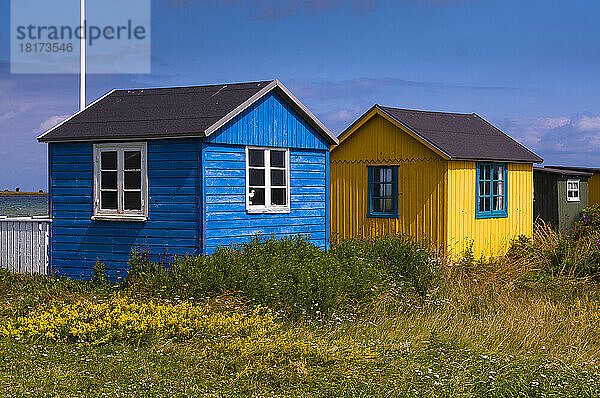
(550, 254)
(293, 274)
(589, 222)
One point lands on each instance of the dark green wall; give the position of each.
(545, 201)
(568, 212)
(550, 200)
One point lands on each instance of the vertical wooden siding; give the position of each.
(594, 189)
(421, 183)
(270, 121)
(173, 222)
(24, 245)
(490, 236)
(226, 220)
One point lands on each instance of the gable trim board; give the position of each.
(223, 120)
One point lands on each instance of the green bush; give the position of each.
(292, 274)
(549, 254)
(589, 222)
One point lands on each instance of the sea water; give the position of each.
(23, 206)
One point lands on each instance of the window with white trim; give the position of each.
(572, 190)
(120, 181)
(267, 180)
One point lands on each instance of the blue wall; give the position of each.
(196, 189)
(172, 227)
(270, 122)
(226, 220)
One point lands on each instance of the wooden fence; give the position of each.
(24, 244)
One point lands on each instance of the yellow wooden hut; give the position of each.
(453, 178)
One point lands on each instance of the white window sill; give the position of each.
(268, 211)
(119, 218)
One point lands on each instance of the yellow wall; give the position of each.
(594, 189)
(490, 236)
(421, 183)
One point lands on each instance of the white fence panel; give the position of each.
(24, 244)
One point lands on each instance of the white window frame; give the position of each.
(267, 208)
(577, 190)
(120, 214)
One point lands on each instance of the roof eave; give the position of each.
(165, 136)
(41, 138)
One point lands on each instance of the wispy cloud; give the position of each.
(571, 140)
(51, 122)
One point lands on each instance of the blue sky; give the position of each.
(530, 67)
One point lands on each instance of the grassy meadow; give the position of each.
(383, 317)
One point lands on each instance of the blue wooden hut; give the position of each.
(182, 171)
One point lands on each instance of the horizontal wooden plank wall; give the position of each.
(226, 220)
(269, 122)
(172, 227)
(24, 245)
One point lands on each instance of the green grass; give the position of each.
(500, 328)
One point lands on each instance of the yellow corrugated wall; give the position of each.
(421, 183)
(594, 189)
(490, 236)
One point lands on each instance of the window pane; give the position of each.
(278, 196)
(133, 200)
(481, 204)
(499, 203)
(108, 200)
(487, 188)
(387, 190)
(278, 159)
(377, 205)
(133, 160)
(133, 179)
(257, 177)
(377, 174)
(109, 180)
(108, 160)
(389, 205)
(387, 175)
(278, 178)
(257, 196)
(377, 190)
(488, 204)
(501, 188)
(501, 173)
(257, 158)
(496, 188)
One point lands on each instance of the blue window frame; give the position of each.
(491, 190)
(383, 191)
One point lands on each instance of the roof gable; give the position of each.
(170, 112)
(454, 136)
(272, 122)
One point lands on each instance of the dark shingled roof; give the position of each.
(592, 170)
(155, 112)
(166, 112)
(462, 136)
(565, 172)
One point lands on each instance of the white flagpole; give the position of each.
(82, 57)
